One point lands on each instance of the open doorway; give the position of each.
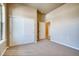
(47, 27)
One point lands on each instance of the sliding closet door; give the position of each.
(22, 31)
(29, 30)
(17, 31)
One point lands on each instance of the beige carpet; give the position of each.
(42, 48)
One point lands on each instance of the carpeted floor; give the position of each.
(42, 48)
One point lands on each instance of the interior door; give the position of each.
(22, 31)
(42, 30)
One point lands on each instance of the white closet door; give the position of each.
(42, 30)
(22, 31)
(29, 30)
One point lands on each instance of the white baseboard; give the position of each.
(4, 51)
(65, 45)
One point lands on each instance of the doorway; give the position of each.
(47, 27)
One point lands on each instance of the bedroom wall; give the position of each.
(65, 25)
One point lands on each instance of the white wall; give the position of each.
(42, 30)
(23, 24)
(65, 25)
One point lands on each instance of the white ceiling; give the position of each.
(45, 7)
